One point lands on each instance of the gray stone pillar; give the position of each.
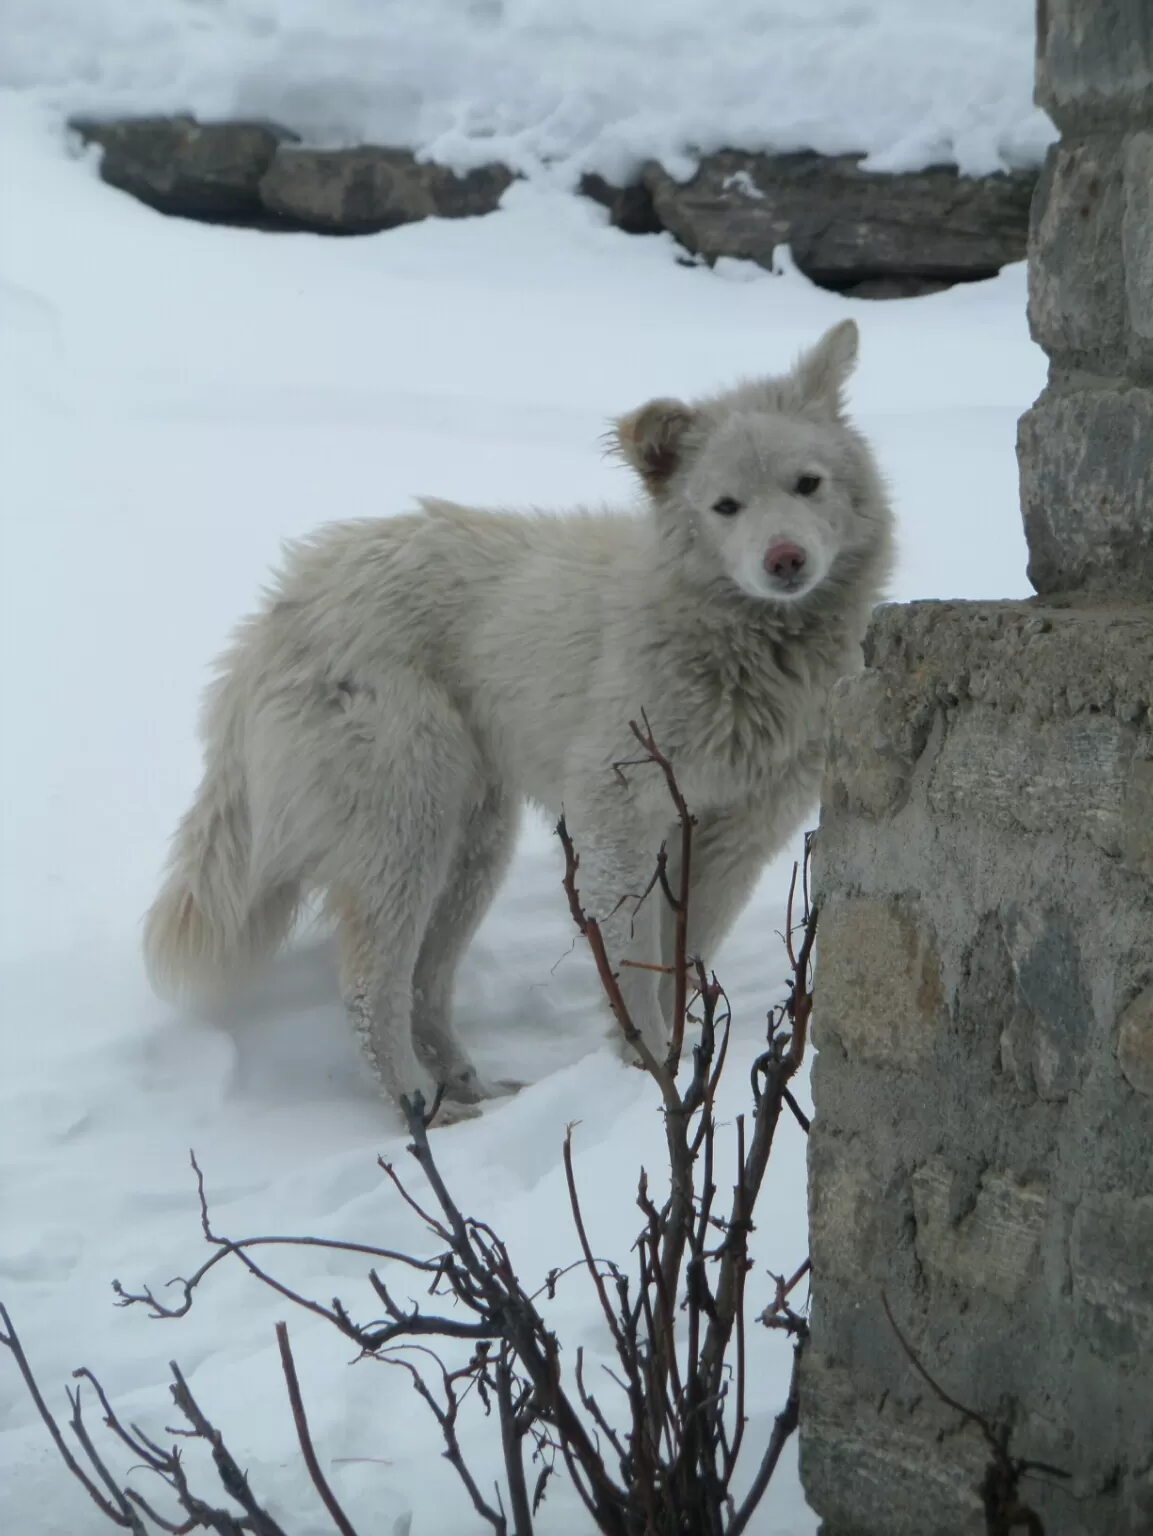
(983, 1142)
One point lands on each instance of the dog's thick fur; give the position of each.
(409, 682)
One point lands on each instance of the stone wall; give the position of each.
(982, 1149)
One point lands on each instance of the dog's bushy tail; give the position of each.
(208, 927)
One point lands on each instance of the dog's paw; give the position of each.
(470, 1088)
(450, 1112)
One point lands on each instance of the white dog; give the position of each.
(410, 681)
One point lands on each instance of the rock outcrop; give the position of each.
(872, 235)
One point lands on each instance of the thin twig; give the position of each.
(288, 1365)
(783, 1426)
(798, 1113)
(11, 1340)
(586, 1247)
(679, 902)
(590, 929)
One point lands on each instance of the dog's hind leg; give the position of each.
(378, 997)
(406, 773)
(481, 860)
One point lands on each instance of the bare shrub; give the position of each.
(662, 1457)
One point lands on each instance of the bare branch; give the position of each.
(680, 901)
(320, 1483)
(446, 1418)
(797, 1112)
(682, 1428)
(233, 1480)
(590, 931)
(11, 1340)
(783, 1426)
(512, 1443)
(130, 1518)
(586, 1249)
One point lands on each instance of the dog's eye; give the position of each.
(727, 507)
(808, 485)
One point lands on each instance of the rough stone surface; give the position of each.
(983, 1135)
(991, 1244)
(984, 1153)
(1091, 256)
(1095, 61)
(1135, 1043)
(199, 170)
(1086, 459)
(1077, 305)
(882, 983)
(1111, 1260)
(360, 191)
(1137, 249)
(847, 227)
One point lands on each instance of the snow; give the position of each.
(175, 399)
(568, 84)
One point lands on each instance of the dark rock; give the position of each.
(175, 164)
(873, 234)
(359, 191)
(910, 285)
(477, 192)
(630, 208)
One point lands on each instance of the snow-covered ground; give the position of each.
(582, 84)
(174, 399)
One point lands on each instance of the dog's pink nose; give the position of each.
(785, 562)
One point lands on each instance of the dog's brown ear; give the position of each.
(823, 371)
(652, 439)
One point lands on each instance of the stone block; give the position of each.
(842, 1214)
(993, 1246)
(1077, 306)
(879, 995)
(361, 191)
(1086, 461)
(1049, 1033)
(1135, 1043)
(1032, 775)
(1111, 1259)
(1137, 246)
(873, 747)
(1095, 61)
(1009, 658)
(1137, 815)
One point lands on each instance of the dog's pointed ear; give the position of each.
(652, 439)
(822, 372)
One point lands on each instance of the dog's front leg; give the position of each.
(618, 853)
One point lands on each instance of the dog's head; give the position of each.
(766, 484)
